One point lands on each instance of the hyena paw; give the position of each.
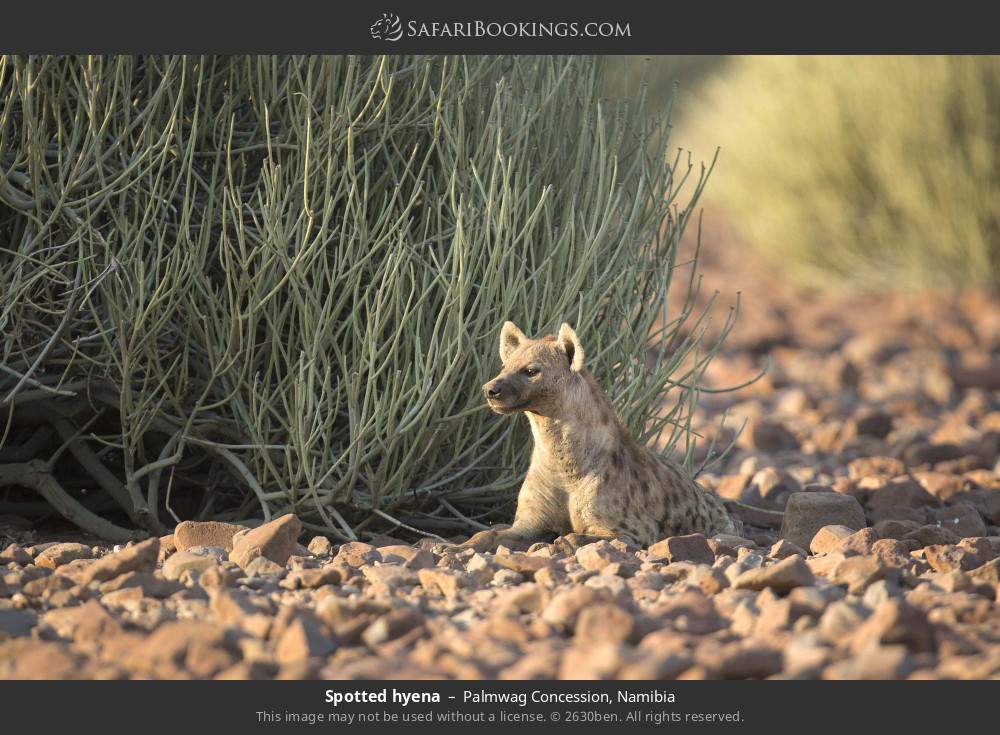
(490, 539)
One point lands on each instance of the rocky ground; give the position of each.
(876, 431)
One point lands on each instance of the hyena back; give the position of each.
(587, 474)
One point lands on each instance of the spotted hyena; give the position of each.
(587, 474)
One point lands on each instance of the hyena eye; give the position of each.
(530, 371)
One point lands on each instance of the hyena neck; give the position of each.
(578, 439)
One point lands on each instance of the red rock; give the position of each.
(738, 660)
(689, 612)
(692, 547)
(392, 625)
(16, 623)
(600, 661)
(14, 554)
(784, 548)
(887, 467)
(807, 512)
(566, 605)
(59, 554)
(929, 535)
(857, 572)
(828, 538)
(140, 557)
(731, 487)
(962, 518)
(357, 554)
(205, 533)
(785, 575)
(859, 542)
(951, 558)
(526, 564)
(875, 663)
(320, 546)
(894, 529)
(441, 581)
(604, 623)
(898, 492)
(275, 541)
(313, 578)
(772, 436)
(895, 622)
(940, 485)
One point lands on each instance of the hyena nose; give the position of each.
(492, 389)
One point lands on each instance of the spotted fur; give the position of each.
(587, 474)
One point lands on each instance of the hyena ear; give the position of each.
(570, 343)
(510, 339)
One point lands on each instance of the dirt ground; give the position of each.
(876, 429)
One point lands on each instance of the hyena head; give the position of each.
(536, 373)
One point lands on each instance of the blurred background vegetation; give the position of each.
(847, 172)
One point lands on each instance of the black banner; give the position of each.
(367, 706)
(448, 26)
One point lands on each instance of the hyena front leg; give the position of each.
(540, 513)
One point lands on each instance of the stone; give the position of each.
(193, 559)
(772, 436)
(320, 546)
(261, 566)
(59, 554)
(807, 512)
(302, 639)
(873, 422)
(691, 611)
(738, 660)
(390, 577)
(566, 605)
(275, 541)
(592, 662)
(446, 582)
(604, 623)
(828, 538)
(16, 623)
(948, 558)
(391, 626)
(732, 487)
(357, 554)
(929, 535)
(898, 492)
(841, 619)
(693, 547)
(859, 543)
(151, 585)
(529, 565)
(895, 621)
(961, 518)
(887, 467)
(312, 578)
(770, 488)
(878, 663)
(783, 576)
(857, 572)
(140, 557)
(940, 485)
(894, 529)
(14, 554)
(783, 548)
(598, 555)
(205, 533)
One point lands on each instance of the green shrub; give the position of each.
(237, 287)
(874, 171)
